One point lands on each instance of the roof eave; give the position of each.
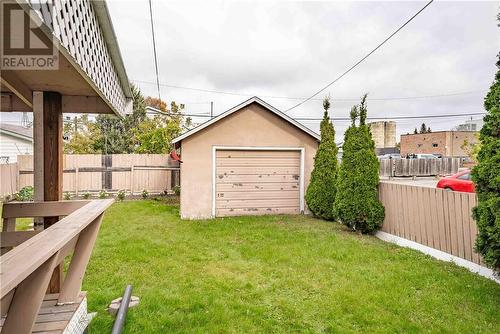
(17, 135)
(102, 13)
(111, 42)
(254, 99)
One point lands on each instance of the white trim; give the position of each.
(259, 148)
(302, 176)
(214, 158)
(440, 255)
(239, 107)
(16, 135)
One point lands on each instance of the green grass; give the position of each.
(22, 224)
(275, 274)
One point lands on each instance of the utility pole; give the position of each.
(25, 120)
(211, 109)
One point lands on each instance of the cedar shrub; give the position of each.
(357, 204)
(486, 176)
(321, 191)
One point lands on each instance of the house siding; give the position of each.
(11, 147)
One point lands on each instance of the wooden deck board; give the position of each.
(52, 318)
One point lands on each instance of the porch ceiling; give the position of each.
(90, 75)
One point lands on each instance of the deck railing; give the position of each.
(26, 270)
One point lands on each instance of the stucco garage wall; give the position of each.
(254, 126)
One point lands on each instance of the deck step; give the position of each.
(58, 319)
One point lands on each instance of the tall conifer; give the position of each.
(322, 187)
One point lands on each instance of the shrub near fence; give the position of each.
(419, 167)
(83, 173)
(432, 217)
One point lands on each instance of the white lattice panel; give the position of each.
(75, 24)
(79, 321)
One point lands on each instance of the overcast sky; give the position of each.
(292, 49)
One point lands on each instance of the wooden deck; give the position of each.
(55, 319)
(30, 260)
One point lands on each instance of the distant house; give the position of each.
(446, 143)
(14, 140)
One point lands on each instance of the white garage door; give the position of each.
(257, 182)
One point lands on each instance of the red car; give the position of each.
(458, 182)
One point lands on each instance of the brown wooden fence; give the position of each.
(8, 179)
(419, 167)
(155, 173)
(432, 217)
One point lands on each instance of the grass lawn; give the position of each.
(22, 224)
(275, 274)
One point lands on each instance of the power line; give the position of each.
(362, 59)
(348, 118)
(154, 49)
(391, 98)
(392, 118)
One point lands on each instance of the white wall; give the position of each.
(12, 147)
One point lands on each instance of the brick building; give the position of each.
(447, 143)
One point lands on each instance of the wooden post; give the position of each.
(53, 149)
(28, 298)
(38, 153)
(52, 165)
(132, 179)
(81, 256)
(76, 180)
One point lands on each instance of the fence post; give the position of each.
(132, 179)
(76, 180)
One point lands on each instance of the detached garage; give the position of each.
(250, 160)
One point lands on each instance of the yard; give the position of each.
(276, 274)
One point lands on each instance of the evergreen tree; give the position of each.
(362, 110)
(415, 131)
(486, 176)
(423, 128)
(321, 191)
(356, 203)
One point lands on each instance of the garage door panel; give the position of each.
(260, 178)
(257, 203)
(261, 162)
(257, 182)
(257, 154)
(256, 187)
(271, 170)
(257, 195)
(256, 211)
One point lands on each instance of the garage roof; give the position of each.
(254, 99)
